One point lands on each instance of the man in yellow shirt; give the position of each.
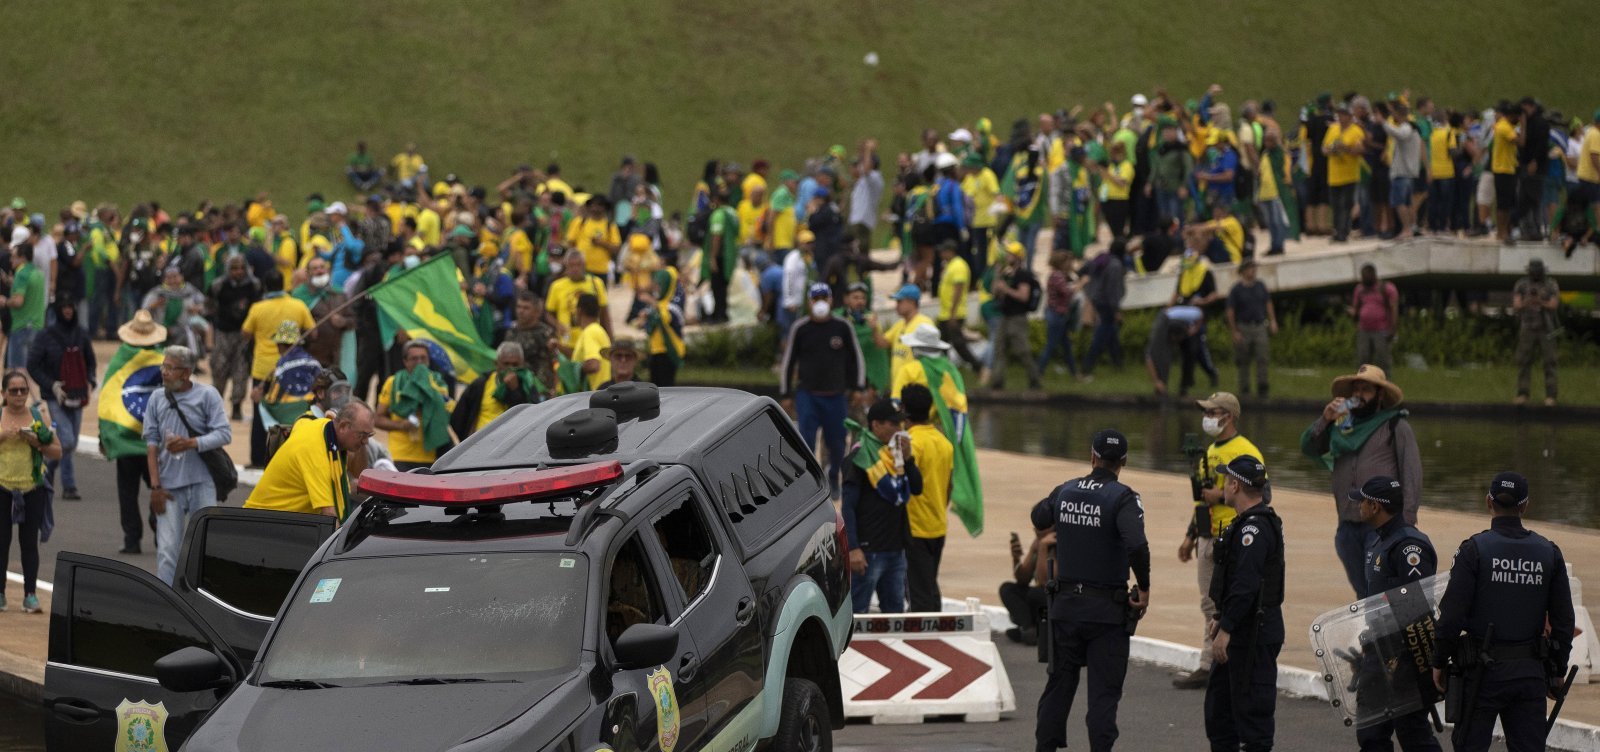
(307, 474)
(562, 297)
(1589, 166)
(906, 301)
(954, 285)
(1503, 163)
(1117, 179)
(592, 341)
(508, 385)
(1228, 245)
(1212, 513)
(1344, 143)
(407, 164)
(981, 187)
(262, 321)
(926, 511)
(414, 418)
(285, 251)
(752, 210)
(429, 223)
(596, 236)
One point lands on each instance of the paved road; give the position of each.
(92, 525)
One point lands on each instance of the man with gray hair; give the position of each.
(509, 385)
(297, 478)
(182, 421)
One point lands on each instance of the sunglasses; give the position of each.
(17, 390)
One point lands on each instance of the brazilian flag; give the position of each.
(289, 393)
(427, 302)
(949, 394)
(133, 374)
(569, 375)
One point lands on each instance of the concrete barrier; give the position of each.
(903, 668)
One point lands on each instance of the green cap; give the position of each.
(462, 230)
(787, 175)
(837, 150)
(18, 203)
(258, 234)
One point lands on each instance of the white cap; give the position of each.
(1139, 100)
(945, 159)
(960, 134)
(19, 235)
(337, 207)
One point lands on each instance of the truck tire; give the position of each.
(804, 725)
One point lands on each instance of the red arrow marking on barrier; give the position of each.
(964, 669)
(902, 670)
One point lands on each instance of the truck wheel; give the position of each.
(804, 725)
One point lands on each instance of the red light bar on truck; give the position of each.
(468, 490)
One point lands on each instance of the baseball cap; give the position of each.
(337, 207)
(1510, 484)
(1110, 444)
(1221, 401)
(821, 193)
(882, 410)
(1382, 489)
(908, 292)
(1247, 470)
(1139, 100)
(819, 290)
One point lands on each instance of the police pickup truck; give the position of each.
(629, 569)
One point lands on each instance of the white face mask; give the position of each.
(555, 268)
(1212, 426)
(412, 262)
(321, 280)
(820, 309)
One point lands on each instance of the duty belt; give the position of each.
(1105, 592)
(1516, 651)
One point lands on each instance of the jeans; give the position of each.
(1168, 205)
(17, 347)
(1369, 222)
(170, 524)
(1350, 544)
(1028, 236)
(1441, 202)
(922, 573)
(886, 576)
(1058, 335)
(1277, 224)
(1107, 338)
(67, 420)
(103, 313)
(1343, 198)
(1196, 351)
(813, 411)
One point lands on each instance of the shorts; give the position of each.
(1553, 188)
(1505, 191)
(1378, 187)
(1485, 194)
(1400, 190)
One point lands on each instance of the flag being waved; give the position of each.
(428, 304)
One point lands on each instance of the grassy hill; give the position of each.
(184, 99)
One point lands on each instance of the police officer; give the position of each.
(1513, 580)
(1099, 527)
(1248, 590)
(1397, 554)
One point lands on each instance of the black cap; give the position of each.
(1110, 444)
(1510, 486)
(884, 409)
(1247, 470)
(1382, 489)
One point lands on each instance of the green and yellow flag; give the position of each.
(427, 302)
(133, 374)
(966, 490)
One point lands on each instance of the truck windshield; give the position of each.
(468, 617)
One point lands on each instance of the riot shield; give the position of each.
(1377, 653)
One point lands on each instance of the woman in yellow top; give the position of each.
(1344, 144)
(752, 213)
(1117, 177)
(26, 441)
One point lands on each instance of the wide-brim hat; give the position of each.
(925, 336)
(1343, 386)
(142, 331)
(621, 345)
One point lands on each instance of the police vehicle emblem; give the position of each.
(666, 701)
(141, 727)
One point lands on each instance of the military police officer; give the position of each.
(1247, 587)
(1505, 584)
(1099, 527)
(1397, 554)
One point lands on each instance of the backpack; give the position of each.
(699, 226)
(74, 377)
(1035, 292)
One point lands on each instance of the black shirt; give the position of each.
(69, 272)
(232, 301)
(1010, 306)
(1247, 584)
(823, 357)
(1494, 581)
(1249, 302)
(1099, 524)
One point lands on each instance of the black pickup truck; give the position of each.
(629, 569)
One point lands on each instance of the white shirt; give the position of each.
(794, 280)
(44, 256)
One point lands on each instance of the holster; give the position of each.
(1133, 614)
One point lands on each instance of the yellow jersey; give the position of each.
(307, 473)
(900, 354)
(1217, 455)
(1504, 159)
(935, 457)
(406, 446)
(591, 342)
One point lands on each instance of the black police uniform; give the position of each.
(1099, 524)
(1399, 554)
(1247, 586)
(1514, 579)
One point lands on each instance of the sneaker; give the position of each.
(30, 604)
(71, 494)
(1196, 679)
(238, 414)
(1549, 401)
(1521, 399)
(129, 549)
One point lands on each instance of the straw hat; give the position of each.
(1371, 374)
(142, 331)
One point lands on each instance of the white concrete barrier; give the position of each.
(903, 668)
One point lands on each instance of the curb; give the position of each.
(1292, 681)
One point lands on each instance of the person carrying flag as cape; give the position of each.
(286, 394)
(930, 367)
(132, 375)
(662, 322)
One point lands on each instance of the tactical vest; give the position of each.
(1088, 546)
(1389, 565)
(1227, 561)
(1513, 586)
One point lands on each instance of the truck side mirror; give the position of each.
(193, 669)
(643, 645)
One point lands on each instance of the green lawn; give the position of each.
(1493, 385)
(186, 99)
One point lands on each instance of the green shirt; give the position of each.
(29, 282)
(361, 160)
(724, 224)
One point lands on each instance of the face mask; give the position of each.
(412, 262)
(819, 309)
(1212, 426)
(555, 267)
(321, 280)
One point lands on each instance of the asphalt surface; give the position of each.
(1153, 715)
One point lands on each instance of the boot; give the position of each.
(1196, 679)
